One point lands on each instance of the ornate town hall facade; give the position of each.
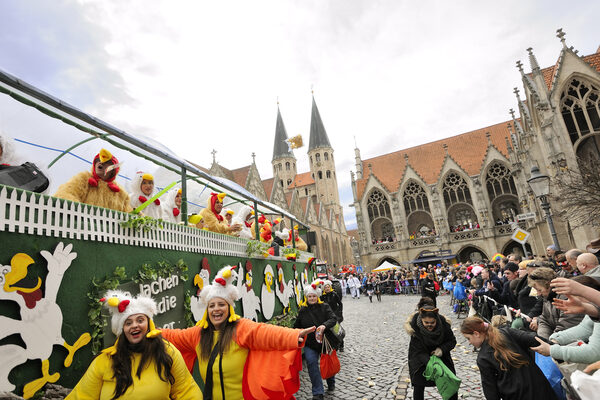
(456, 198)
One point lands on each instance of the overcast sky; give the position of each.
(198, 75)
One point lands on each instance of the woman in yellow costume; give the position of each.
(211, 215)
(141, 364)
(97, 187)
(239, 358)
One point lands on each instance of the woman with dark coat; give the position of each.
(330, 297)
(506, 364)
(428, 288)
(430, 334)
(316, 313)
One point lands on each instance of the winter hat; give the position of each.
(314, 288)
(105, 156)
(122, 305)
(221, 287)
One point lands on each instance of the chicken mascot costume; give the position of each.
(211, 215)
(142, 188)
(97, 187)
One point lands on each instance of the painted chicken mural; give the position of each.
(284, 290)
(250, 301)
(40, 325)
(201, 280)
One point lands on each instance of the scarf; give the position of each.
(430, 338)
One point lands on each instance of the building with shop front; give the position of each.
(458, 198)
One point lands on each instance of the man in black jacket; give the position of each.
(506, 297)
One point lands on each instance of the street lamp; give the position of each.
(540, 185)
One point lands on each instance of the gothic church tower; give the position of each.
(283, 162)
(322, 164)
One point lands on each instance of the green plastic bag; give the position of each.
(446, 382)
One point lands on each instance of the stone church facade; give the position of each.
(457, 197)
(311, 196)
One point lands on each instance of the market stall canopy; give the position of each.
(385, 266)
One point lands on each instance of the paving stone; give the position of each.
(376, 349)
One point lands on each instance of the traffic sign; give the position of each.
(520, 235)
(529, 215)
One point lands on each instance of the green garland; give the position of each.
(187, 309)
(145, 273)
(145, 223)
(255, 247)
(286, 320)
(97, 323)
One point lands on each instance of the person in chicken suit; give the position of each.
(300, 244)
(211, 215)
(238, 358)
(97, 187)
(142, 189)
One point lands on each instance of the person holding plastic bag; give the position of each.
(430, 335)
(507, 366)
(316, 313)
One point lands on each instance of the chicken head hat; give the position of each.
(221, 287)
(313, 288)
(121, 306)
(105, 156)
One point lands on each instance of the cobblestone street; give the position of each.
(374, 363)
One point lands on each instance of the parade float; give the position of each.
(58, 257)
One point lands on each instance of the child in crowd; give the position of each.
(142, 189)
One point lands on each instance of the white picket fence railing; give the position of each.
(32, 213)
(26, 212)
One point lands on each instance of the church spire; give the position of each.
(280, 147)
(318, 135)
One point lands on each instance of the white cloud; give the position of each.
(203, 75)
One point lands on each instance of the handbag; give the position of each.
(26, 176)
(339, 331)
(330, 363)
(446, 382)
(552, 374)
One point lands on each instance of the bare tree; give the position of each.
(579, 193)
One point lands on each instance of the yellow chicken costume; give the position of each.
(214, 221)
(89, 188)
(99, 382)
(300, 244)
(261, 362)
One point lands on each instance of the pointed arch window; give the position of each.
(306, 191)
(326, 156)
(320, 173)
(455, 190)
(378, 205)
(415, 198)
(580, 108)
(328, 173)
(317, 157)
(499, 181)
(287, 166)
(289, 182)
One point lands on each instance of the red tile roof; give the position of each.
(288, 198)
(268, 185)
(592, 59)
(302, 180)
(468, 150)
(353, 233)
(303, 202)
(240, 175)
